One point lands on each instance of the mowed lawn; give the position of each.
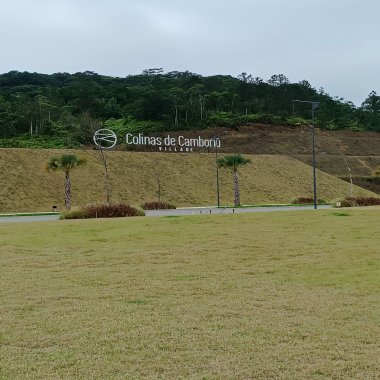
(286, 295)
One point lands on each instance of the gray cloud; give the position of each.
(331, 43)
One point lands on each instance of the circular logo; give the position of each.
(105, 138)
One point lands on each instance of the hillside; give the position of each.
(187, 180)
(65, 107)
(360, 149)
(338, 152)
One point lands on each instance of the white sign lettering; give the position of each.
(169, 141)
(106, 139)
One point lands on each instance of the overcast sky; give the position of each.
(333, 44)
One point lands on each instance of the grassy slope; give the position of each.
(265, 296)
(187, 180)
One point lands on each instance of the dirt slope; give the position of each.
(336, 150)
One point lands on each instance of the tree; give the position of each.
(176, 96)
(246, 78)
(278, 80)
(66, 163)
(93, 125)
(372, 103)
(33, 104)
(233, 162)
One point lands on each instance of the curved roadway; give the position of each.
(222, 210)
(176, 212)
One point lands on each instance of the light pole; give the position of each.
(314, 106)
(217, 176)
(217, 166)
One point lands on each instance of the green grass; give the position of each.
(245, 296)
(340, 214)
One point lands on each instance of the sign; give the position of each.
(172, 144)
(106, 139)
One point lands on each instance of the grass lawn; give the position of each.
(290, 295)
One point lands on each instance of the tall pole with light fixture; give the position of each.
(314, 106)
(217, 166)
(217, 175)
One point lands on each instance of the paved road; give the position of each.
(214, 210)
(35, 218)
(177, 212)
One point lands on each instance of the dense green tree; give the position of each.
(372, 103)
(370, 118)
(278, 80)
(52, 105)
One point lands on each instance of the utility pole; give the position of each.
(217, 166)
(314, 106)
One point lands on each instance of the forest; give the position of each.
(62, 109)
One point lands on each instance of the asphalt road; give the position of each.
(34, 218)
(218, 211)
(176, 212)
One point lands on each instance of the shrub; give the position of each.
(76, 213)
(360, 201)
(225, 119)
(157, 205)
(115, 210)
(145, 126)
(346, 203)
(295, 121)
(265, 118)
(111, 211)
(37, 142)
(306, 201)
(130, 125)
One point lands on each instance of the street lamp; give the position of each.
(314, 106)
(217, 166)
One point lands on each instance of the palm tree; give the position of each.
(66, 163)
(234, 162)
